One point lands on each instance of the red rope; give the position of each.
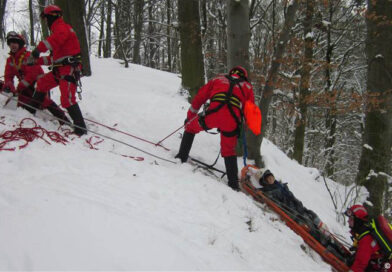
(128, 134)
(28, 134)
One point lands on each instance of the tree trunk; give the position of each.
(376, 151)
(73, 12)
(192, 64)
(3, 4)
(138, 22)
(32, 43)
(44, 27)
(331, 121)
(107, 53)
(101, 30)
(272, 75)
(299, 134)
(238, 33)
(168, 18)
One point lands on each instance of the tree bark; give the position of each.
(331, 121)
(107, 53)
(168, 18)
(73, 13)
(138, 22)
(376, 151)
(192, 64)
(32, 42)
(3, 4)
(299, 134)
(101, 30)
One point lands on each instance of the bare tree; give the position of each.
(305, 83)
(375, 163)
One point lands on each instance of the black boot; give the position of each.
(78, 120)
(232, 172)
(58, 113)
(185, 147)
(36, 101)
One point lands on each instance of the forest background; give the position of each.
(321, 69)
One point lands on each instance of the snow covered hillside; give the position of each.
(69, 207)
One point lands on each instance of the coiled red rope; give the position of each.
(28, 134)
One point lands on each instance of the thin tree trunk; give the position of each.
(32, 43)
(299, 134)
(168, 18)
(375, 160)
(272, 75)
(3, 4)
(107, 53)
(101, 30)
(330, 123)
(138, 22)
(192, 64)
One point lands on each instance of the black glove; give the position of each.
(185, 121)
(35, 53)
(7, 89)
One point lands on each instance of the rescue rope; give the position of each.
(185, 123)
(29, 134)
(96, 133)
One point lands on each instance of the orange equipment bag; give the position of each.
(253, 117)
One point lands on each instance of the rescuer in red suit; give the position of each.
(66, 63)
(367, 251)
(27, 75)
(227, 95)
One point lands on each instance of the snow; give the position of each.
(69, 207)
(368, 147)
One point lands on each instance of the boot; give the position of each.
(36, 101)
(185, 147)
(232, 172)
(78, 120)
(55, 110)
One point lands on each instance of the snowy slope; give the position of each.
(69, 207)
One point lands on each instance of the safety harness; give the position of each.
(230, 100)
(76, 73)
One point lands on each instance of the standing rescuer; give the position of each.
(27, 75)
(227, 94)
(66, 62)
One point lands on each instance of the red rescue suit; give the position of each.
(64, 45)
(367, 256)
(222, 119)
(27, 76)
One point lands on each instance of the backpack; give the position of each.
(381, 231)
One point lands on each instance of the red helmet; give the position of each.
(358, 211)
(239, 70)
(51, 10)
(12, 36)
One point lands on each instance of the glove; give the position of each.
(31, 61)
(35, 53)
(190, 115)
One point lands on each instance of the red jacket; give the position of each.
(15, 66)
(218, 85)
(62, 41)
(367, 250)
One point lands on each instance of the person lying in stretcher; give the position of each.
(280, 193)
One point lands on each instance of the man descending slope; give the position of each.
(227, 94)
(65, 59)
